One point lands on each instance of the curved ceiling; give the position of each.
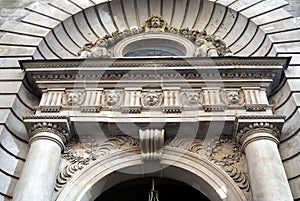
(71, 24)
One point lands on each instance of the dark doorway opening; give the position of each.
(138, 190)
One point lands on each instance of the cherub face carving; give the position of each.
(151, 99)
(233, 97)
(155, 22)
(112, 99)
(74, 98)
(192, 98)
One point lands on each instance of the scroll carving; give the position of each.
(81, 152)
(226, 154)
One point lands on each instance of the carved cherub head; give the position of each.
(74, 98)
(112, 98)
(191, 98)
(233, 97)
(155, 22)
(152, 99)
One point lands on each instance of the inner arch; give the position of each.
(138, 190)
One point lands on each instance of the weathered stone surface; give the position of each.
(242, 4)
(24, 28)
(40, 20)
(262, 7)
(272, 16)
(7, 184)
(216, 18)
(295, 186)
(291, 126)
(290, 105)
(290, 148)
(12, 165)
(48, 10)
(16, 51)
(14, 145)
(290, 166)
(66, 6)
(18, 39)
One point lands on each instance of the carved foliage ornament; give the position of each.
(207, 45)
(80, 153)
(255, 127)
(50, 127)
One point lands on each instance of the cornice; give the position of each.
(29, 65)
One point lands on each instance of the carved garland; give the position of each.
(207, 45)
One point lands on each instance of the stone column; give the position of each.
(267, 176)
(39, 173)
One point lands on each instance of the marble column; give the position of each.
(39, 173)
(267, 176)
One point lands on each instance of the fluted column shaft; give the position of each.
(268, 180)
(39, 172)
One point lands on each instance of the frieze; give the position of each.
(137, 100)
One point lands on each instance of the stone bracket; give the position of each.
(152, 142)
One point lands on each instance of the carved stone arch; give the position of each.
(176, 163)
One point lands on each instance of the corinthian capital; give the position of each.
(48, 127)
(251, 128)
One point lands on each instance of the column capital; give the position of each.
(251, 128)
(54, 128)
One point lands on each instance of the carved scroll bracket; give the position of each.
(152, 142)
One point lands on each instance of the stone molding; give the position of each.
(252, 128)
(52, 128)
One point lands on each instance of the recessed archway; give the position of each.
(176, 164)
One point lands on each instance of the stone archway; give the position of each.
(176, 163)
